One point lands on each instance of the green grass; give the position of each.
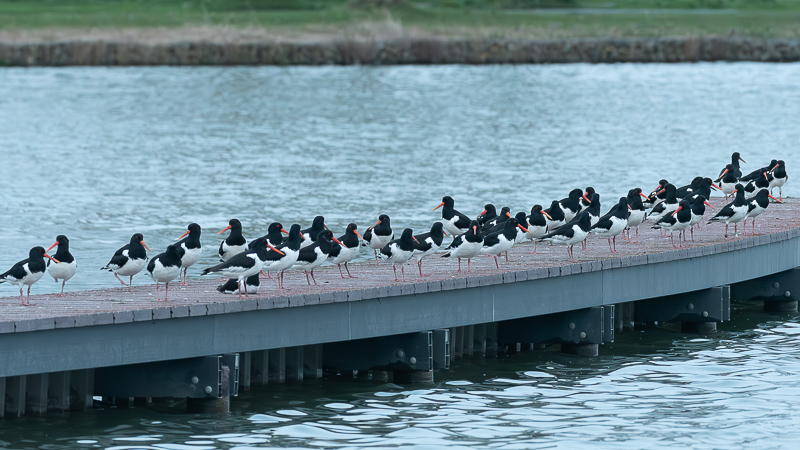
(498, 18)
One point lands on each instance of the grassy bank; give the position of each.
(537, 19)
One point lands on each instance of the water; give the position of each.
(100, 153)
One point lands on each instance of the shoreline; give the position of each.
(395, 51)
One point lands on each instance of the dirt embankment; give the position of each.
(248, 47)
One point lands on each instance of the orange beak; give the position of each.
(326, 227)
(587, 200)
(547, 215)
(508, 214)
(51, 247)
(708, 204)
(660, 191)
(724, 172)
(629, 207)
(224, 230)
(145, 246)
(415, 239)
(776, 166)
(357, 234)
(716, 187)
(774, 198)
(643, 195)
(475, 230)
(284, 231)
(53, 259)
(765, 176)
(482, 213)
(275, 249)
(184, 234)
(338, 242)
(445, 233)
(676, 211)
(440, 205)
(740, 159)
(523, 228)
(301, 235)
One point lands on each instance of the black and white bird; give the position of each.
(779, 178)
(454, 222)
(555, 216)
(314, 255)
(235, 243)
(569, 234)
(733, 212)
(657, 196)
(586, 200)
(683, 191)
(637, 211)
(737, 171)
(613, 223)
(251, 284)
(502, 216)
(572, 204)
(164, 267)
(537, 224)
(379, 234)
(704, 190)
(245, 264)
(467, 245)
(399, 251)
(428, 243)
(593, 209)
(756, 205)
(66, 266)
(728, 180)
(501, 241)
(760, 183)
(348, 251)
(489, 213)
(310, 234)
(668, 205)
(192, 249)
(129, 260)
(287, 256)
(27, 272)
(698, 210)
(758, 172)
(677, 220)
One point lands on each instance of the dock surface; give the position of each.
(114, 326)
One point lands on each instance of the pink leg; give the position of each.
(21, 297)
(348, 271)
(241, 284)
(340, 270)
(166, 291)
(403, 271)
(496, 263)
(120, 279)
(395, 272)
(307, 279)
(312, 276)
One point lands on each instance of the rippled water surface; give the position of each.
(100, 153)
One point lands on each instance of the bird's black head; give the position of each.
(521, 217)
(37, 252)
(352, 227)
(576, 193)
(490, 208)
(175, 250)
(506, 210)
(536, 209)
(319, 222)
(595, 199)
(448, 201)
(325, 234)
(137, 238)
(474, 227)
(234, 223)
(408, 233)
(193, 228)
(383, 218)
(294, 230)
(62, 240)
(589, 191)
(274, 226)
(436, 227)
(696, 182)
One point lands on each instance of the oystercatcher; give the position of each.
(728, 180)
(27, 271)
(779, 178)
(502, 240)
(379, 234)
(737, 172)
(247, 263)
(311, 234)
(586, 200)
(191, 249)
(756, 205)
(637, 211)
(399, 251)
(519, 236)
(758, 172)
(312, 256)
(571, 204)
(570, 234)
(66, 267)
(467, 245)
(454, 221)
(698, 209)
(505, 214)
(665, 207)
(657, 196)
(537, 224)
(251, 284)
(129, 260)
(428, 243)
(555, 216)
(683, 191)
(760, 183)
(613, 223)
(235, 243)
(164, 267)
(733, 212)
(704, 190)
(287, 255)
(347, 252)
(489, 213)
(677, 220)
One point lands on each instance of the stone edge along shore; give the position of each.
(400, 51)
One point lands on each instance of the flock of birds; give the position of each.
(566, 222)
